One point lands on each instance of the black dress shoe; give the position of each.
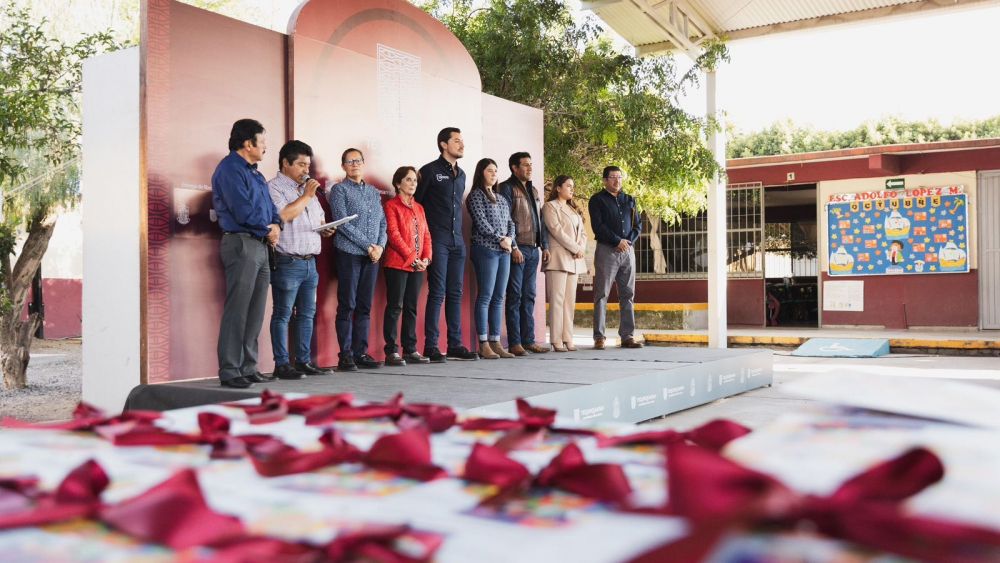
(367, 362)
(394, 359)
(237, 383)
(311, 369)
(347, 364)
(461, 353)
(435, 356)
(415, 357)
(258, 378)
(286, 371)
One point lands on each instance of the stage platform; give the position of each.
(587, 385)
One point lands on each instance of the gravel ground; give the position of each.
(54, 387)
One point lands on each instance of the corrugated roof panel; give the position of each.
(733, 15)
(638, 28)
(742, 17)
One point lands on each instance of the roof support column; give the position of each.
(717, 277)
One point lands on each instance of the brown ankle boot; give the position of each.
(487, 353)
(499, 350)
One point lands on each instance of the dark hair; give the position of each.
(554, 192)
(608, 170)
(515, 159)
(445, 135)
(343, 155)
(477, 179)
(244, 130)
(292, 150)
(401, 172)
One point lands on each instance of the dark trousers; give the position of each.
(402, 290)
(355, 291)
(444, 280)
(247, 278)
(521, 298)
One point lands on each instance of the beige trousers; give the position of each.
(560, 288)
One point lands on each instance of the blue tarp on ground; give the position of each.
(844, 348)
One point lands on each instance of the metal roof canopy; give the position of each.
(654, 26)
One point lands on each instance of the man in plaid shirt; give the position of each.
(294, 280)
(359, 246)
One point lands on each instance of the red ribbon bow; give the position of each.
(174, 513)
(407, 454)
(433, 417)
(85, 417)
(530, 426)
(324, 409)
(380, 543)
(78, 495)
(213, 431)
(713, 435)
(272, 458)
(568, 471)
(273, 407)
(718, 495)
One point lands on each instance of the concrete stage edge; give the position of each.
(586, 385)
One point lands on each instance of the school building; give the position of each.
(901, 236)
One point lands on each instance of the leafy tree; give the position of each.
(601, 106)
(39, 149)
(786, 137)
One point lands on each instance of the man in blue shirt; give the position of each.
(440, 191)
(250, 225)
(616, 226)
(360, 244)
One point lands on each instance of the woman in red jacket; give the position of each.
(407, 255)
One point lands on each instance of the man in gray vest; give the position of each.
(532, 248)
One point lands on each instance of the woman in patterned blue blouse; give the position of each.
(492, 243)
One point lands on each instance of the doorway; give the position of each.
(791, 268)
(988, 199)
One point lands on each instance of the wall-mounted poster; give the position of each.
(915, 231)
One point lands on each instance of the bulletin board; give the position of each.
(905, 232)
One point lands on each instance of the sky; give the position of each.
(936, 65)
(933, 65)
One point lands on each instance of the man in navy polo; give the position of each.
(250, 225)
(440, 191)
(615, 220)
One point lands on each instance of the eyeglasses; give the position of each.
(354, 161)
(615, 177)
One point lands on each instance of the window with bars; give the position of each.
(681, 250)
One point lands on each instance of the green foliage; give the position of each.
(785, 137)
(601, 106)
(39, 82)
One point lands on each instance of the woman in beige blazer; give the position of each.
(567, 243)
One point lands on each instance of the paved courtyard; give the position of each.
(54, 383)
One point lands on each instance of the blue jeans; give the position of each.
(521, 298)
(293, 284)
(492, 269)
(444, 280)
(355, 291)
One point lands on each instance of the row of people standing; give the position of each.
(420, 230)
